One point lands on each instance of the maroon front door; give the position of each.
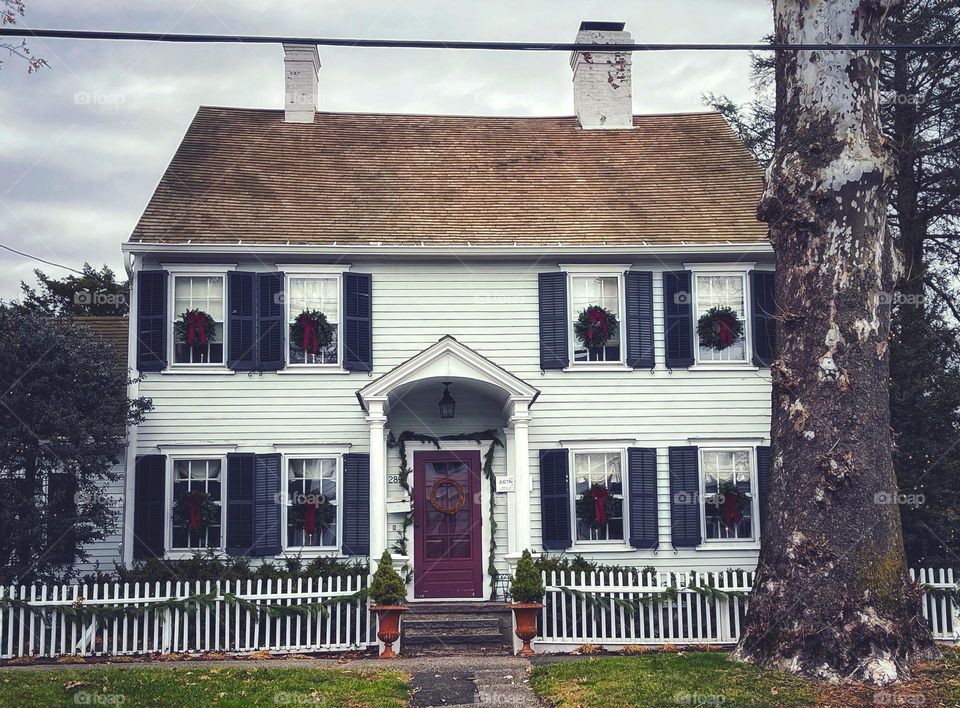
(447, 524)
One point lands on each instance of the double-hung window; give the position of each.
(196, 520)
(598, 492)
(604, 291)
(727, 494)
(195, 299)
(313, 294)
(726, 290)
(312, 509)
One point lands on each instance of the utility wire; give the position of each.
(441, 44)
(37, 258)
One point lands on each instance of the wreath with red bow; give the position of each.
(595, 326)
(195, 328)
(718, 328)
(311, 331)
(196, 511)
(596, 506)
(316, 513)
(734, 503)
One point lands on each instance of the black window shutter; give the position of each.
(684, 497)
(356, 504)
(639, 319)
(266, 505)
(62, 506)
(357, 322)
(152, 320)
(642, 487)
(554, 324)
(763, 310)
(271, 321)
(149, 506)
(678, 318)
(241, 329)
(240, 500)
(555, 499)
(763, 481)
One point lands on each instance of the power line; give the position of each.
(37, 258)
(454, 44)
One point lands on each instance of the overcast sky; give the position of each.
(84, 143)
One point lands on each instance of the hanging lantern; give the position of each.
(447, 405)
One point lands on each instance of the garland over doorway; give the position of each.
(492, 434)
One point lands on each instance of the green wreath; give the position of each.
(208, 512)
(311, 332)
(718, 328)
(326, 514)
(595, 326)
(195, 328)
(587, 507)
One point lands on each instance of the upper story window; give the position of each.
(313, 294)
(194, 294)
(728, 498)
(598, 494)
(603, 291)
(197, 513)
(313, 502)
(722, 290)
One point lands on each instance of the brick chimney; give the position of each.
(602, 95)
(301, 62)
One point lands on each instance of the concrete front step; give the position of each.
(448, 623)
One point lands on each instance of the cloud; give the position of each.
(83, 144)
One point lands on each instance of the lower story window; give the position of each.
(598, 496)
(197, 504)
(727, 494)
(312, 502)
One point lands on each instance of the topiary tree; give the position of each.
(387, 587)
(526, 585)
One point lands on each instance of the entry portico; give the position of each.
(488, 396)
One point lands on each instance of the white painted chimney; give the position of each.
(301, 62)
(602, 95)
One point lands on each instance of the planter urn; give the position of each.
(525, 618)
(388, 627)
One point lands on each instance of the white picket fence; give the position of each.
(232, 618)
(615, 609)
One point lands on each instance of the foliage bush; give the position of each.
(526, 584)
(387, 587)
(579, 564)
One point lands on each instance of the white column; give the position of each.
(511, 497)
(520, 422)
(377, 420)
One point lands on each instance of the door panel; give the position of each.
(447, 524)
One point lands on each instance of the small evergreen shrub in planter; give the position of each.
(388, 593)
(526, 589)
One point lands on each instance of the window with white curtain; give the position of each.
(728, 498)
(588, 290)
(308, 293)
(722, 290)
(204, 293)
(202, 479)
(598, 480)
(312, 482)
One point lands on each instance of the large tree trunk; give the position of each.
(832, 597)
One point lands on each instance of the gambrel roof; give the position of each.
(246, 175)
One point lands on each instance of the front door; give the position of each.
(447, 524)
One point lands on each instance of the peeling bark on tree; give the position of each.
(831, 597)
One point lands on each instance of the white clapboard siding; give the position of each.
(50, 631)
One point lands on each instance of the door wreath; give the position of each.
(453, 508)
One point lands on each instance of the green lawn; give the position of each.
(709, 679)
(203, 686)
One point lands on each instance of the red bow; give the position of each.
(196, 326)
(309, 334)
(597, 318)
(725, 323)
(193, 503)
(600, 495)
(731, 507)
(310, 517)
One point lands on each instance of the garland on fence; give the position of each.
(80, 612)
(491, 434)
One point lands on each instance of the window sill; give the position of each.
(725, 546)
(598, 366)
(195, 370)
(188, 554)
(732, 366)
(602, 548)
(306, 552)
(311, 370)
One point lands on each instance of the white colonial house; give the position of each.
(451, 258)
